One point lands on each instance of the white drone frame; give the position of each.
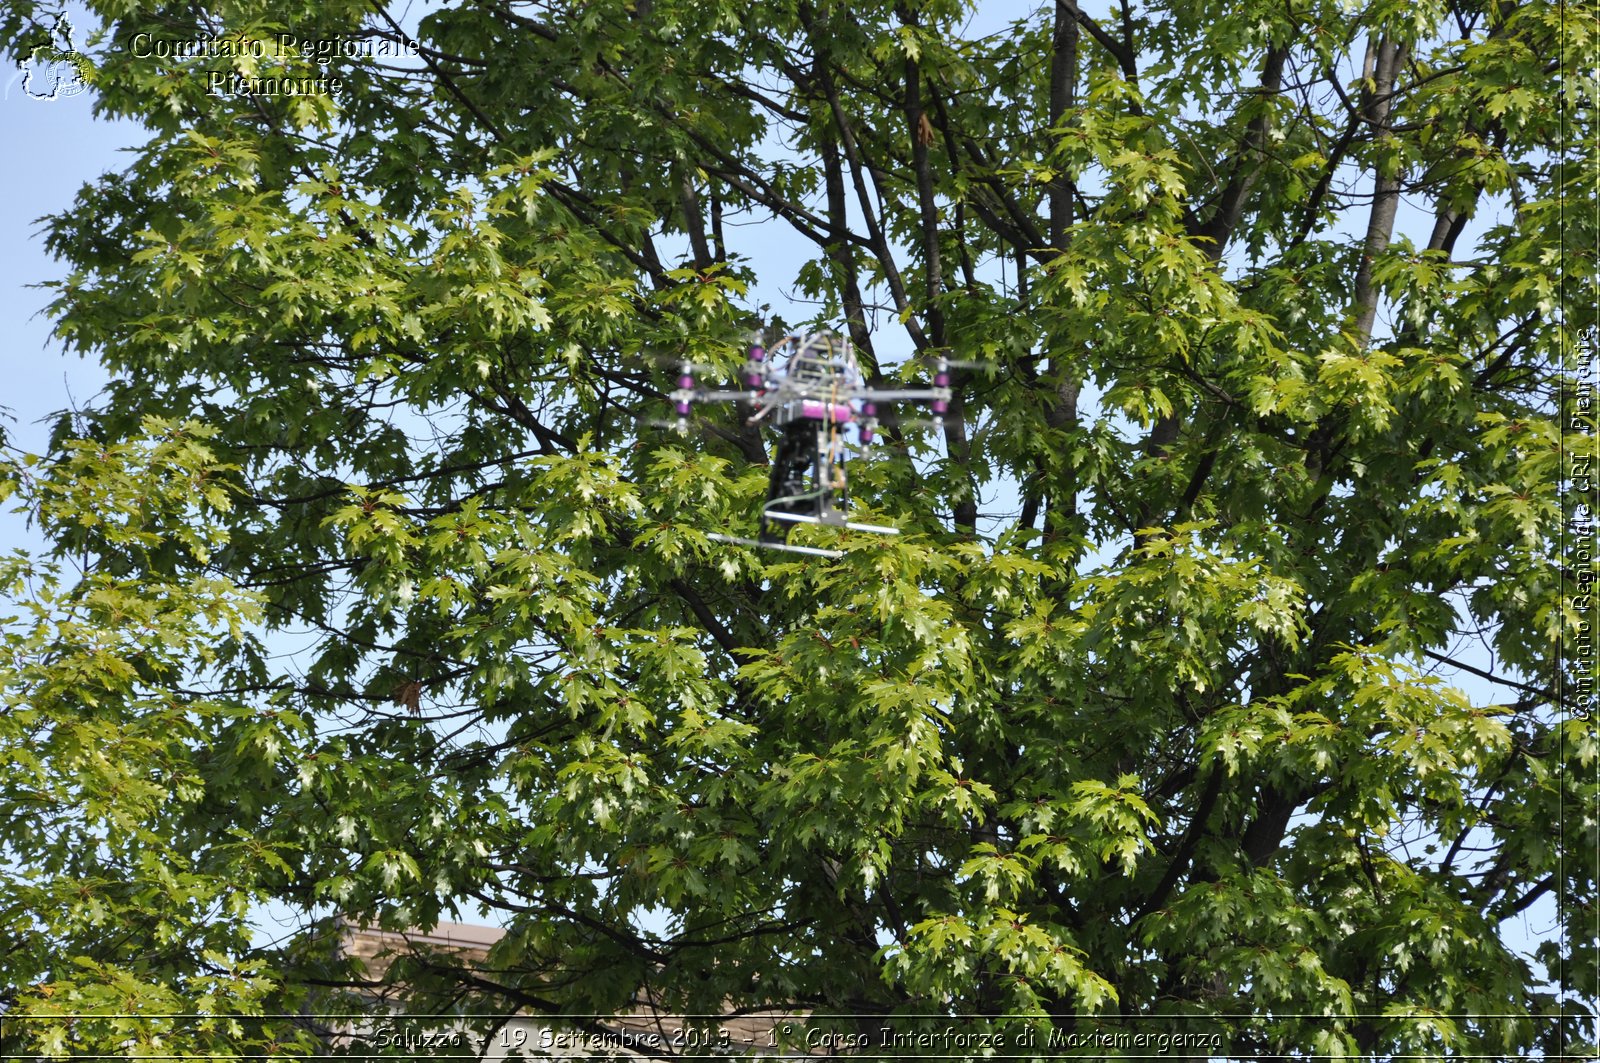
(821, 383)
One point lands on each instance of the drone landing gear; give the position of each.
(774, 544)
(802, 448)
(833, 519)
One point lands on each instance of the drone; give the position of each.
(811, 402)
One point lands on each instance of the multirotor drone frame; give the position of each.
(818, 396)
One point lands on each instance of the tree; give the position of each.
(117, 900)
(1158, 715)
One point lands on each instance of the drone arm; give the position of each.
(937, 396)
(687, 394)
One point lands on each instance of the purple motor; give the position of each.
(685, 389)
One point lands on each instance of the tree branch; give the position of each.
(1386, 189)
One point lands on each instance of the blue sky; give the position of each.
(54, 147)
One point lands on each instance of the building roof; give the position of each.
(376, 948)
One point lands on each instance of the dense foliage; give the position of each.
(1217, 674)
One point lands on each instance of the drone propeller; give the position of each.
(723, 368)
(900, 422)
(967, 363)
(681, 423)
(678, 362)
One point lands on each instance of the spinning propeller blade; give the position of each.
(988, 368)
(890, 423)
(670, 362)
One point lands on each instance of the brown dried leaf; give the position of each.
(409, 694)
